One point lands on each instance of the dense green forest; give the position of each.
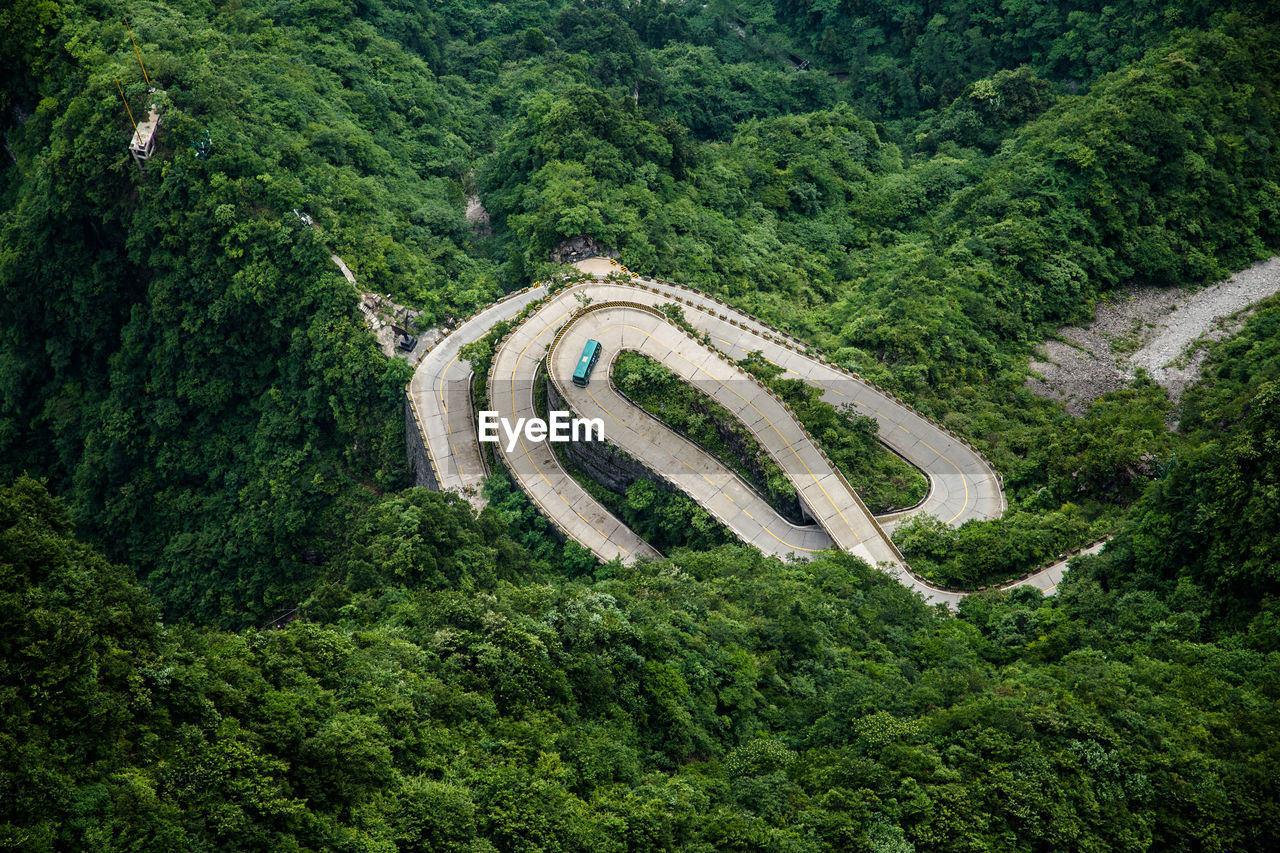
(197, 433)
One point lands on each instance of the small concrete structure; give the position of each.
(393, 325)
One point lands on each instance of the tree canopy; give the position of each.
(227, 623)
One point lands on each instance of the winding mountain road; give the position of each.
(619, 309)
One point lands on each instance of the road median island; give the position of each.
(648, 385)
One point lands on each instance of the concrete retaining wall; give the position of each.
(419, 461)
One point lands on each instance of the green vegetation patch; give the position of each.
(884, 480)
(447, 689)
(980, 553)
(688, 411)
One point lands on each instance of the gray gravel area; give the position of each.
(1159, 329)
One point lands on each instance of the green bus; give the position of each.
(590, 355)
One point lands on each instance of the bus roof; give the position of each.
(589, 353)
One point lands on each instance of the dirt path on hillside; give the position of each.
(1160, 330)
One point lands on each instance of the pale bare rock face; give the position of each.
(478, 217)
(1157, 329)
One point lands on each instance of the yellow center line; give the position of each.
(788, 544)
(444, 406)
(963, 479)
(448, 430)
(620, 422)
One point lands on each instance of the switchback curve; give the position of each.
(963, 485)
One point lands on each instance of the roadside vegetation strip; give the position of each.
(885, 479)
(689, 412)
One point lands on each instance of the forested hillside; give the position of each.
(196, 431)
